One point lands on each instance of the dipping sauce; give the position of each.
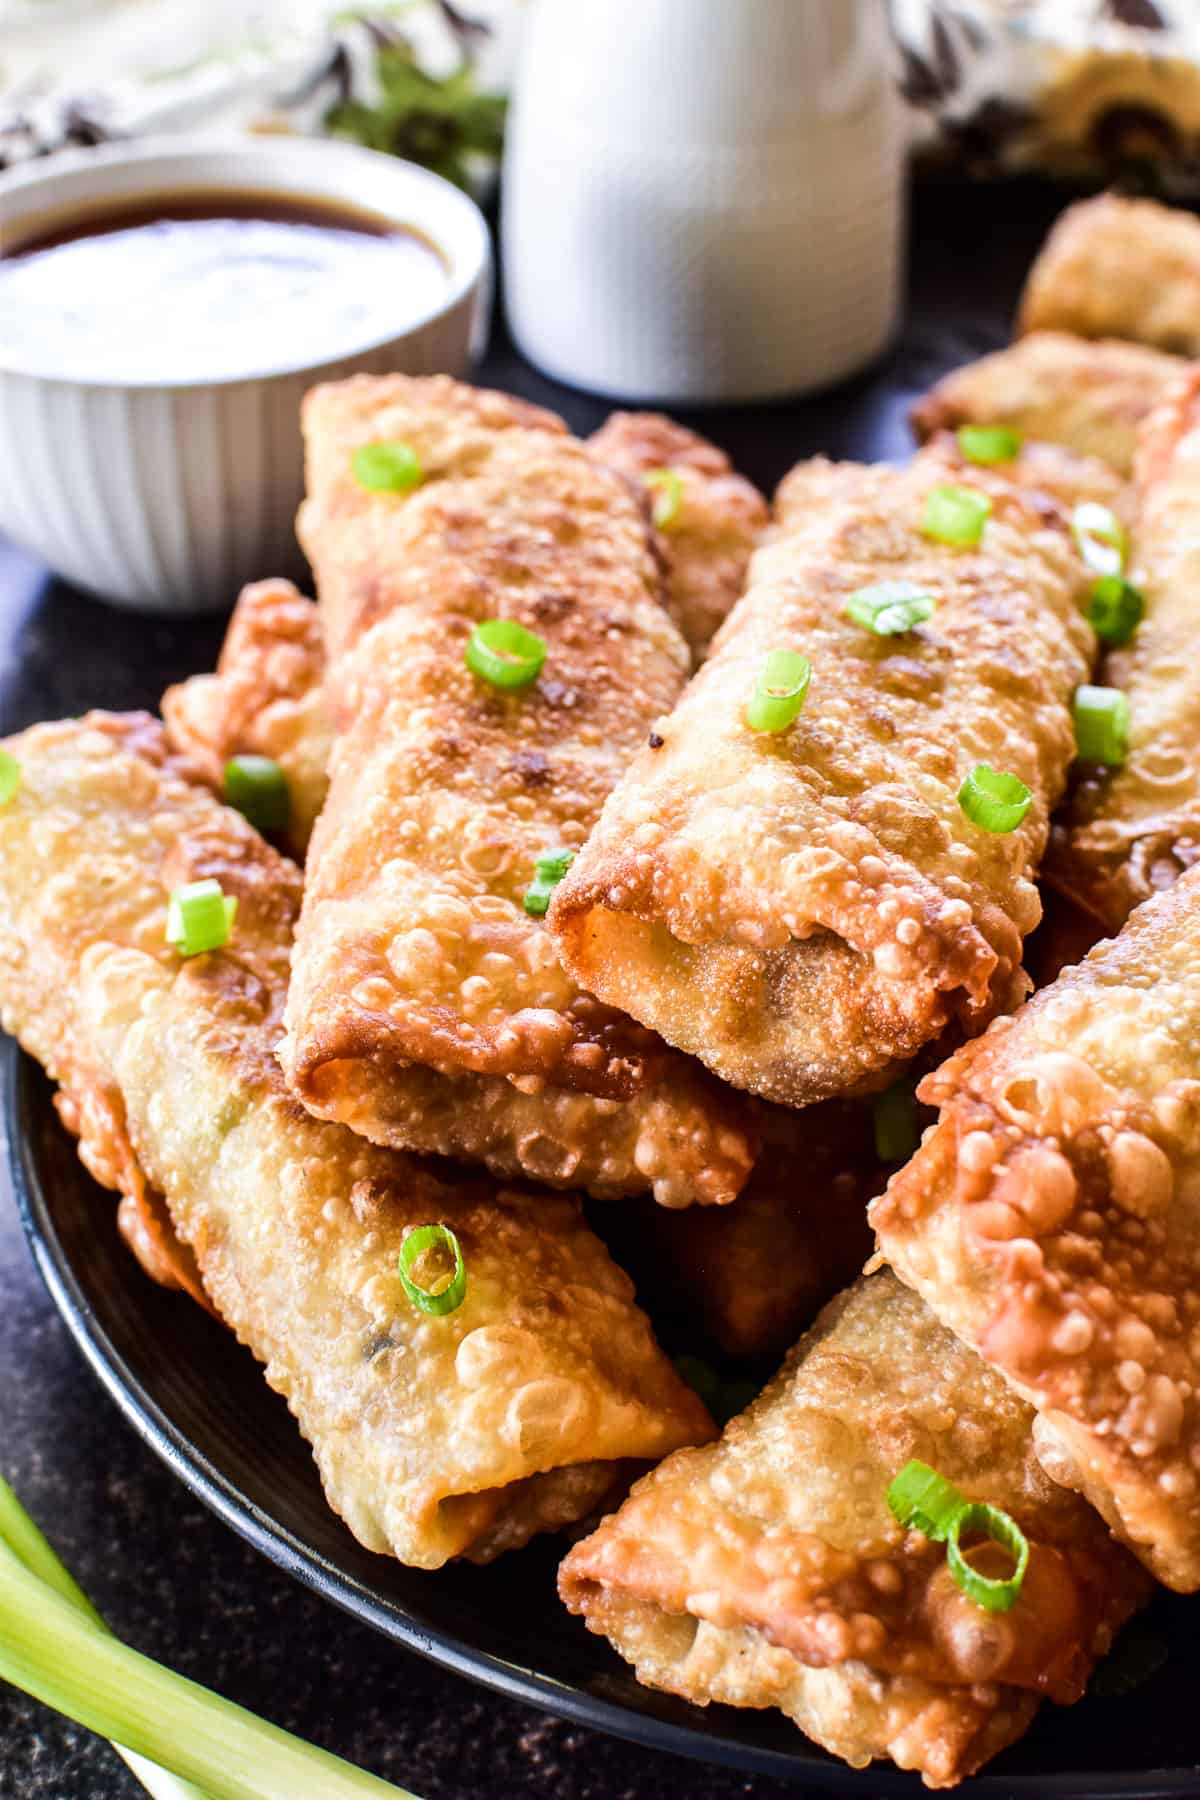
(210, 286)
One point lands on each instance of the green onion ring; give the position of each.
(993, 799)
(667, 486)
(504, 653)
(1115, 609)
(389, 468)
(989, 443)
(444, 1300)
(922, 1500)
(1100, 537)
(889, 608)
(779, 693)
(548, 872)
(199, 917)
(10, 776)
(955, 515)
(1101, 719)
(257, 787)
(985, 1590)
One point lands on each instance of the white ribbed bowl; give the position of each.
(167, 497)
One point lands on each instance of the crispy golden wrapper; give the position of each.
(767, 1569)
(435, 1436)
(1052, 1220)
(1090, 397)
(745, 1279)
(722, 516)
(415, 952)
(266, 697)
(1129, 831)
(805, 910)
(1118, 268)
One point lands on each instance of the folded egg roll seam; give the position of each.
(778, 1542)
(1050, 1221)
(434, 1437)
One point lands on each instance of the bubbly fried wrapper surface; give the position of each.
(767, 1569)
(805, 909)
(1052, 1220)
(1114, 267)
(435, 1436)
(1087, 396)
(415, 950)
(1129, 831)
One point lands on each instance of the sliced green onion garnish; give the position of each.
(504, 653)
(896, 1124)
(258, 787)
(199, 917)
(955, 515)
(993, 799)
(437, 1300)
(989, 443)
(1101, 716)
(10, 776)
(779, 692)
(1100, 537)
(548, 872)
(922, 1500)
(393, 468)
(986, 1590)
(667, 487)
(890, 607)
(1115, 609)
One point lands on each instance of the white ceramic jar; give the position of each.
(703, 199)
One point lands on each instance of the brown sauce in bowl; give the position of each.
(210, 286)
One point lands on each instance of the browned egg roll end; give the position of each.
(805, 910)
(767, 1569)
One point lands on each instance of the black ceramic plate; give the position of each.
(200, 1402)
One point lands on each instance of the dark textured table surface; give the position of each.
(169, 1577)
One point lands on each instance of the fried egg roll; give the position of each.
(1052, 1220)
(1119, 268)
(267, 695)
(435, 1436)
(1089, 396)
(744, 1280)
(415, 949)
(712, 522)
(266, 698)
(1129, 830)
(805, 909)
(767, 1569)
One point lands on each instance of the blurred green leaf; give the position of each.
(437, 122)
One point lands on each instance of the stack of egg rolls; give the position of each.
(428, 1008)
(435, 1436)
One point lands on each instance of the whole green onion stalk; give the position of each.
(172, 1732)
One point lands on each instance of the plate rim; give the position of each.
(525, 1685)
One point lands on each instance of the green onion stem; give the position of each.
(50, 1649)
(24, 1539)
